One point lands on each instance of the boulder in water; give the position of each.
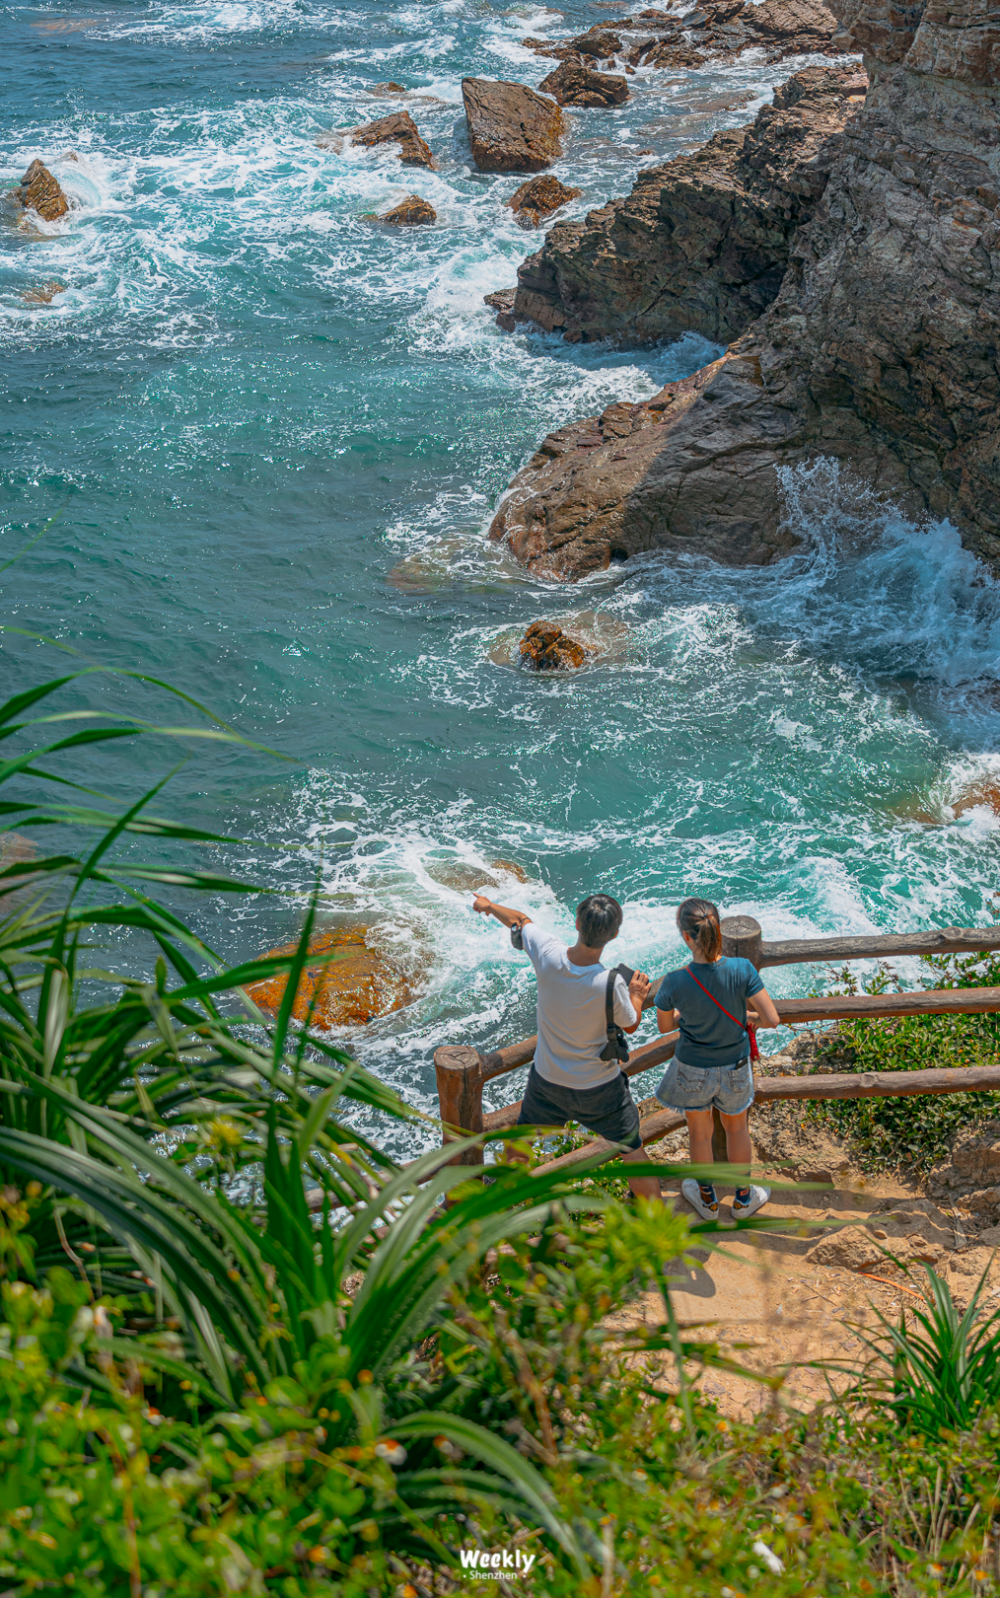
(411, 212)
(352, 988)
(985, 793)
(545, 647)
(44, 294)
(599, 43)
(399, 128)
(511, 128)
(573, 84)
(39, 191)
(387, 88)
(537, 199)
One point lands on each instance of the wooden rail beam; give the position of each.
(858, 1006)
(934, 1001)
(463, 1072)
(943, 940)
(651, 1054)
(839, 1085)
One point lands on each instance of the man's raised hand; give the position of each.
(639, 990)
(481, 904)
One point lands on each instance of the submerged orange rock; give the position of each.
(545, 647)
(352, 988)
(986, 791)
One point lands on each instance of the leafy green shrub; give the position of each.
(107, 1496)
(936, 1370)
(885, 1134)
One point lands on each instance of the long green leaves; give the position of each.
(936, 1369)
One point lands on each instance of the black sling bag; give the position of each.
(616, 1047)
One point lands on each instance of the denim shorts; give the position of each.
(607, 1111)
(729, 1089)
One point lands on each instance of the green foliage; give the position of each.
(885, 1134)
(109, 1496)
(101, 1071)
(936, 1370)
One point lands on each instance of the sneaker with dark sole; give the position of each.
(692, 1192)
(758, 1198)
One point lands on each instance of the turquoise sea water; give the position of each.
(277, 437)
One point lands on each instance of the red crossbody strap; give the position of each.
(750, 1031)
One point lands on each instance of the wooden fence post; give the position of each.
(459, 1073)
(741, 936)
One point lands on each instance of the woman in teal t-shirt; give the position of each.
(712, 1068)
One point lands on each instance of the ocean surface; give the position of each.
(276, 436)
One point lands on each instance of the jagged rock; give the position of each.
(880, 351)
(702, 242)
(599, 43)
(44, 294)
(570, 84)
(672, 51)
(351, 989)
(399, 127)
(411, 212)
(545, 647)
(791, 27)
(974, 1166)
(465, 878)
(511, 128)
(537, 199)
(725, 28)
(19, 880)
(501, 300)
(387, 88)
(39, 191)
(913, 1230)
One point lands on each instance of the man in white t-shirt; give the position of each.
(569, 1081)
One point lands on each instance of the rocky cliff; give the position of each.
(701, 243)
(880, 350)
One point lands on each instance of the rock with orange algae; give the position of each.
(986, 792)
(38, 191)
(545, 647)
(44, 294)
(354, 987)
(411, 212)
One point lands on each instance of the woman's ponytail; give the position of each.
(699, 918)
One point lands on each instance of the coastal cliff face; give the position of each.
(701, 243)
(880, 349)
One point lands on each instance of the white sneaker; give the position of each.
(692, 1192)
(758, 1198)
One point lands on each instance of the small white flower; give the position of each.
(392, 1452)
(771, 1560)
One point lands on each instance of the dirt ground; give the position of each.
(840, 1247)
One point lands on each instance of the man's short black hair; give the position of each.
(598, 919)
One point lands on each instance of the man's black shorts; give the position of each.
(607, 1111)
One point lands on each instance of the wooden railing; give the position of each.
(462, 1072)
